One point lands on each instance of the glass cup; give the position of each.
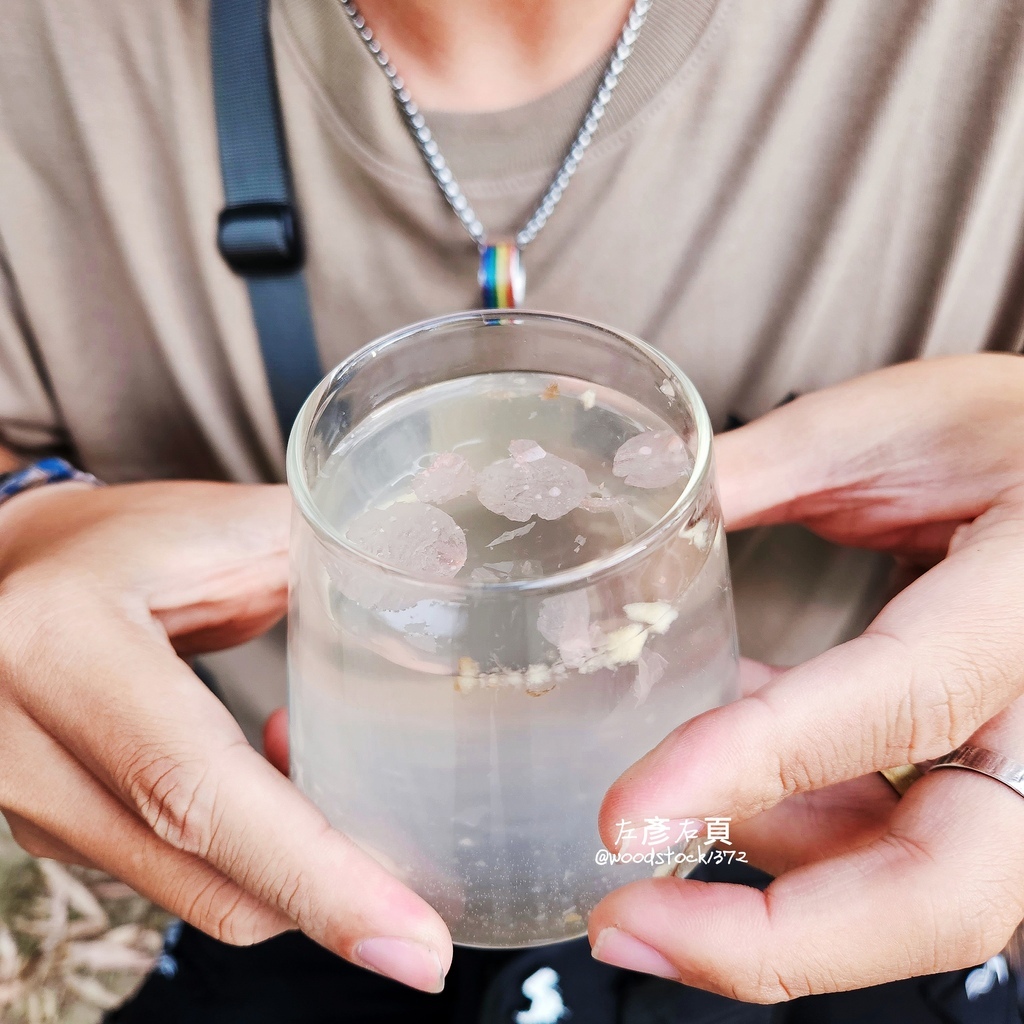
(461, 719)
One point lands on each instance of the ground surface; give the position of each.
(73, 942)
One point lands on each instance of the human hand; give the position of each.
(116, 755)
(925, 460)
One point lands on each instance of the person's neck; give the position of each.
(473, 55)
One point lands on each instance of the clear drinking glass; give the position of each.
(509, 581)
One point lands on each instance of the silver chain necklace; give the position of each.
(501, 276)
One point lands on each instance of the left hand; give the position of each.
(925, 460)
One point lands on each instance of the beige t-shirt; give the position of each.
(783, 194)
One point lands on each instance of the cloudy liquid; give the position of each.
(466, 741)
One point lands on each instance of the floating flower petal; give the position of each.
(564, 620)
(513, 534)
(499, 572)
(619, 506)
(531, 483)
(483, 575)
(448, 476)
(418, 538)
(650, 668)
(526, 451)
(654, 458)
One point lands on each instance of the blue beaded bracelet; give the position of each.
(39, 474)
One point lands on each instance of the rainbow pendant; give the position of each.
(501, 276)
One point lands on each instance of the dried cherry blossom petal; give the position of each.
(418, 538)
(625, 516)
(650, 667)
(448, 476)
(654, 458)
(482, 574)
(619, 506)
(370, 587)
(513, 534)
(564, 620)
(525, 451)
(531, 483)
(499, 572)
(597, 503)
(667, 576)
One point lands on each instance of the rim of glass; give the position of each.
(585, 571)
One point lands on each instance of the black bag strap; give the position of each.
(258, 231)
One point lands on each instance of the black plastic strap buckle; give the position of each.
(260, 238)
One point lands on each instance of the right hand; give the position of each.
(115, 754)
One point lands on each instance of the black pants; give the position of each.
(291, 980)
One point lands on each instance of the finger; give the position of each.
(208, 561)
(174, 754)
(275, 740)
(942, 658)
(828, 459)
(37, 843)
(215, 588)
(884, 911)
(755, 675)
(78, 821)
(812, 826)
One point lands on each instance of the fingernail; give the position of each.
(403, 960)
(620, 949)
